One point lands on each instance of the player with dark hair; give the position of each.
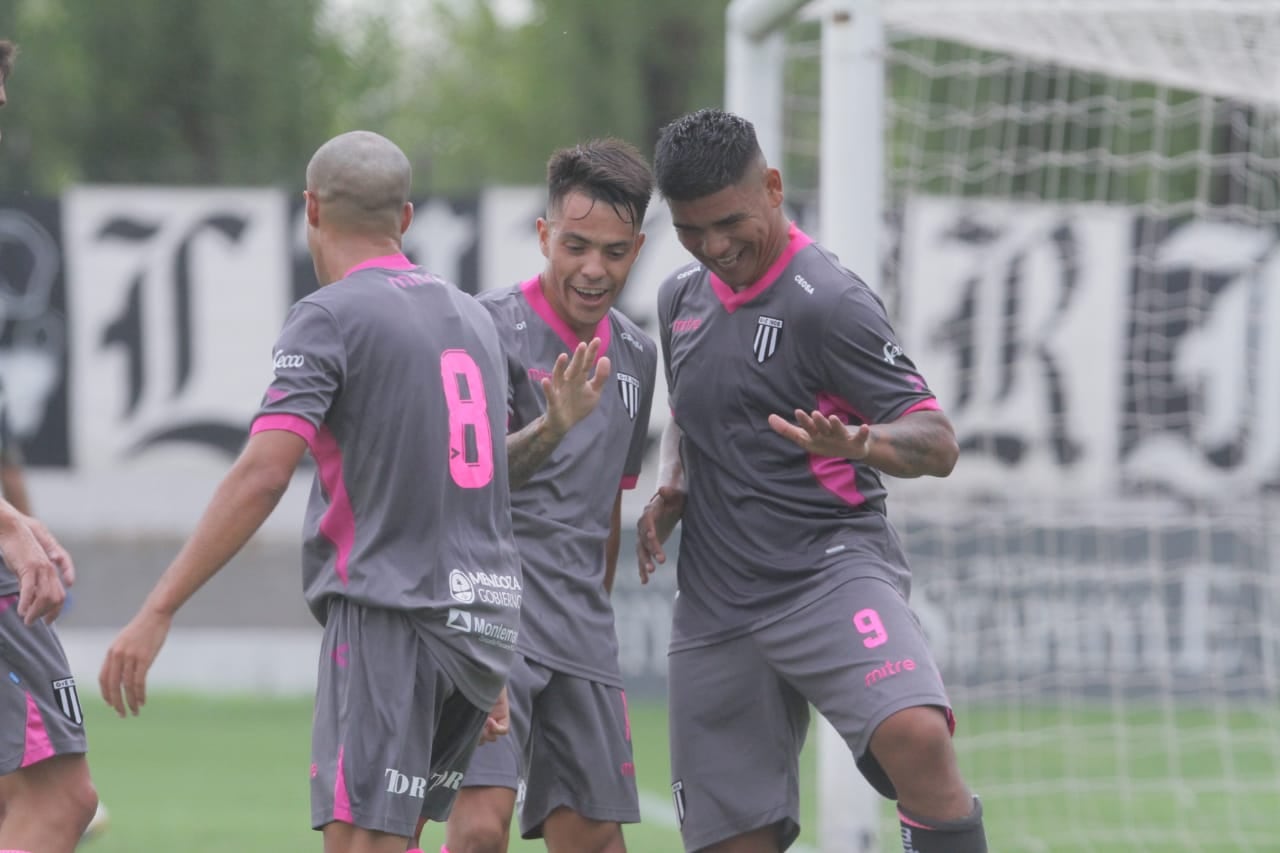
(791, 396)
(395, 380)
(570, 750)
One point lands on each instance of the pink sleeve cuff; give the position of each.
(929, 405)
(289, 423)
(628, 483)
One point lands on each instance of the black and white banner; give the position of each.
(1080, 350)
(1088, 350)
(178, 296)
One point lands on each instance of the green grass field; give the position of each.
(231, 774)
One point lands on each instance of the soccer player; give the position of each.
(396, 381)
(47, 797)
(571, 739)
(791, 396)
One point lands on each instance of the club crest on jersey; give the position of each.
(64, 691)
(768, 329)
(629, 388)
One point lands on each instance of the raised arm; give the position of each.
(572, 392)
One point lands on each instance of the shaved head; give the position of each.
(361, 181)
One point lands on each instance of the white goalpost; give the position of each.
(1072, 211)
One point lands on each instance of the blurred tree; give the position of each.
(177, 91)
(492, 101)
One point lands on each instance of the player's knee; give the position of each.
(565, 831)
(915, 750)
(59, 788)
(480, 837)
(478, 828)
(919, 734)
(78, 798)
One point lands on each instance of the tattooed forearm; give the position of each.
(528, 450)
(920, 444)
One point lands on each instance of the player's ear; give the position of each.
(313, 208)
(406, 217)
(635, 250)
(544, 237)
(773, 186)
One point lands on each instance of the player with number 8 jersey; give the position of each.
(377, 537)
(396, 382)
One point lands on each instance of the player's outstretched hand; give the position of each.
(573, 389)
(824, 435)
(499, 722)
(659, 518)
(40, 590)
(123, 679)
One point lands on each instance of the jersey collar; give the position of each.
(735, 299)
(532, 290)
(396, 261)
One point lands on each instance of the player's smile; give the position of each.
(593, 296)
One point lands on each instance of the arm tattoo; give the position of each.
(914, 448)
(917, 445)
(528, 450)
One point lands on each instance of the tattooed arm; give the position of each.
(917, 445)
(529, 449)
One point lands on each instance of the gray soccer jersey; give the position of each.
(766, 526)
(397, 381)
(561, 515)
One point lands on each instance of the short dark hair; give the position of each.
(703, 152)
(608, 170)
(8, 53)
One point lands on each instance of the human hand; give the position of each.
(825, 435)
(499, 721)
(574, 388)
(658, 519)
(130, 657)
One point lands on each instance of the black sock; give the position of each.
(966, 835)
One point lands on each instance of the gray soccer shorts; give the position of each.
(739, 709)
(40, 713)
(391, 735)
(577, 737)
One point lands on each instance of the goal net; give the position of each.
(1080, 251)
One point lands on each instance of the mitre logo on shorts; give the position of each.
(768, 330)
(629, 388)
(677, 793)
(488, 587)
(64, 692)
(282, 360)
(891, 352)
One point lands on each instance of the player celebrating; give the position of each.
(395, 380)
(571, 740)
(793, 585)
(47, 798)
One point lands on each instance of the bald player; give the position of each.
(396, 382)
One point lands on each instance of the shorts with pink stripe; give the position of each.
(40, 714)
